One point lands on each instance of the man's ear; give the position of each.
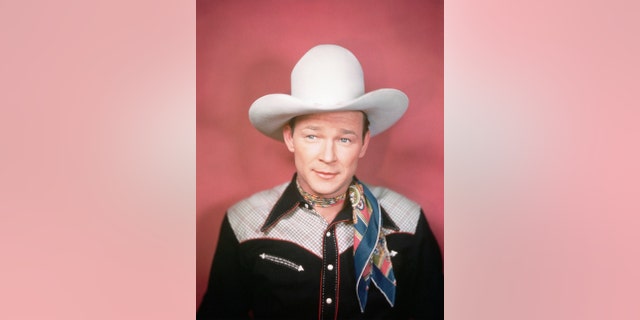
(365, 144)
(287, 134)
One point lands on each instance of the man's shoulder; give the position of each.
(248, 215)
(404, 212)
(259, 203)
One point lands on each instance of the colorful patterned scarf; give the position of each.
(317, 201)
(371, 257)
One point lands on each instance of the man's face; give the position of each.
(326, 149)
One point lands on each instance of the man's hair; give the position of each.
(365, 122)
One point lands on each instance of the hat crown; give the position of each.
(327, 75)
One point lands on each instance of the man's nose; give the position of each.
(328, 153)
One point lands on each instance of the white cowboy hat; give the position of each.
(327, 78)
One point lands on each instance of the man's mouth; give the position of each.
(325, 174)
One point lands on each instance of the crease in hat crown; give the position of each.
(327, 78)
(327, 75)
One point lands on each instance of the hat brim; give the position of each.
(383, 107)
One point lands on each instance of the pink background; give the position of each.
(246, 49)
(98, 155)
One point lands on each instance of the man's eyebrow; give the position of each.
(347, 131)
(342, 130)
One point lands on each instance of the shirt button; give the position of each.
(330, 267)
(306, 205)
(328, 233)
(329, 301)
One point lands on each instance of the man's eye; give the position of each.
(310, 137)
(345, 140)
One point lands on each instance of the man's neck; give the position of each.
(329, 213)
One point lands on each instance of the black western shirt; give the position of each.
(278, 259)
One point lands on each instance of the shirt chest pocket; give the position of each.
(278, 271)
(283, 282)
(279, 261)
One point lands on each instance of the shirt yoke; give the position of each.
(247, 216)
(404, 212)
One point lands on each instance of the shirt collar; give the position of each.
(291, 199)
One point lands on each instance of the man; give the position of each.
(326, 245)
